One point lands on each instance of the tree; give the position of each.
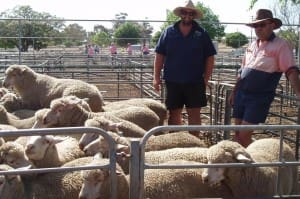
(101, 39)
(74, 34)
(127, 33)
(253, 2)
(31, 27)
(236, 39)
(209, 22)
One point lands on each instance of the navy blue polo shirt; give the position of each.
(184, 55)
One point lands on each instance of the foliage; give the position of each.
(101, 39)
(209, 22)
(127, 33)
(75, 35)
(253, 2)
(291, 36)
(32, 27)
(236, 39)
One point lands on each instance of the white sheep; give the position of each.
(52, 151)
(197, 154)
(65, 112)
(180, 183)
(38, 90)
(12, 154)
(6, 127)
(154, 143)
(110, 123)
(156, 106)
(251, 181)
(96, 182)
(11, 186)
(11, 102)
(3, 91)
(10, 119)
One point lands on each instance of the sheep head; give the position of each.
(224, 152)
(95, 181)
(37, 146)
(15, 76)
(12, 154)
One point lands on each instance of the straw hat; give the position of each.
(263, 15)
(188, 6)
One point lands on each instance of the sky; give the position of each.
(228, 11)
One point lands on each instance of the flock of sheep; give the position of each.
(32, 100)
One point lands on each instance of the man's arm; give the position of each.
(209, 65)
(293, 77)
(158, 65)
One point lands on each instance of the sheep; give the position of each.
(156, 106)
(65, 112)
(3, 91)
(154, 143)
(6, 127)
(24, 113)
(180, 183)
(38, 90)
(12, 154)
(51, 151)
(197, 154)
(110, 123)
(96, 183)
(100, 145)
(11, 186)
(11, 102)
(251, 181)
(9, 118)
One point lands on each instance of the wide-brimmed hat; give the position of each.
(263, 15)
(188, 5)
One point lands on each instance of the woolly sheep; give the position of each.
(24, 113)
(52, 151)
(156, 106)
(197, 154)
(6, 127)
(11, 186)
(12, 154)
(3, 91)
(38, 90)
(97, 184)
(65, 112)
(11, 102)
(9, 118)
(180, 183)
(108, 123)
(154, 143)
(251, 181)
(100, 145)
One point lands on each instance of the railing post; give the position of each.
(134, 169)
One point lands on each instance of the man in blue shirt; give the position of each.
(185, 52)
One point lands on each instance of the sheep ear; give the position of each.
(243, 159)
(113, 126)
(98, 155)
(56, 139)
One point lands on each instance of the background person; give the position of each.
(185, 52)
(145, 50)
(129, 49)
(263, 64)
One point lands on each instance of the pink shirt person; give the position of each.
(113, 49)
(129, 49)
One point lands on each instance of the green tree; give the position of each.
(127, 33)
(101, 38)
(75, 35)
(236, 39)
(30, 26)
(210, 22)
